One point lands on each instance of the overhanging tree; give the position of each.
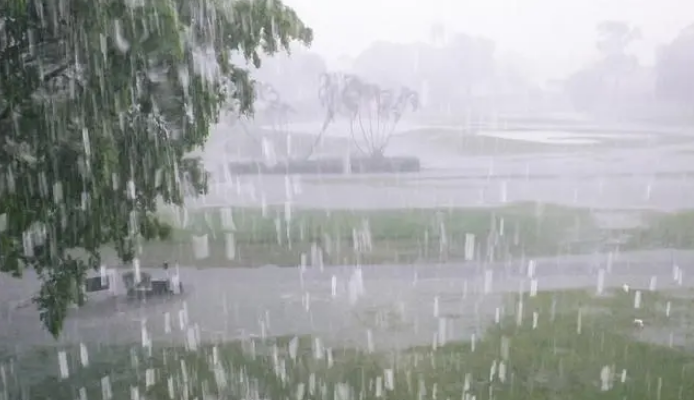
(99, 103)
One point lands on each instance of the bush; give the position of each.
(359, 165)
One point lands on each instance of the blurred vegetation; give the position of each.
(280, 237)
(665, 230)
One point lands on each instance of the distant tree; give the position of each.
(614, 38)
(99, 104)
(593, 86)
(374, 111)
(675, 69)
(449, 73)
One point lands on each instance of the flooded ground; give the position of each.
(379, 306)
(656, 175)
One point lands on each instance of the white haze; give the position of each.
(555, 37)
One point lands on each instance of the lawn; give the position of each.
(548, 345)
(253, 237)
(250, 237)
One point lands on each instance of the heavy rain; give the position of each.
(347, 200)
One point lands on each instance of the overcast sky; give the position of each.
(554, 36)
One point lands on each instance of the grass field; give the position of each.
(549, 345)
(251, 237)
(248, 237)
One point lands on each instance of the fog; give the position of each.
(425, 175)
(553, 37)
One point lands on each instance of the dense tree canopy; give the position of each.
(675, 68)
(600, 85)
(99, 103)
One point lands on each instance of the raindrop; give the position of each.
(121, 43)
(62, 364)
(659, 389)
(502, 372)
(389, 379)
(132, 193)
(519, 313)
(144, 335)
(293, 347)
(201, 248)
(605, 379)
(610, 261)
(149, 377)
(300, 391)
(57, 193)
(167, 322)
(170, 387)
(333, 286)
(531, 269)
(84, 356)
(652, 283)
(318, 351)
(306, 301)
(676, 272)
(230, 246)
(106, 393)
(637, 299)
(369, 341)
(505, 348)
(488, 275)
(536, 317)
(533, 288)
(442, 337)
(601, 281)
(469, 246)
(316, 256)
(227, 218)
(182, 319)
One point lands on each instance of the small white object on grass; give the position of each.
(638, 323)
(626, 288)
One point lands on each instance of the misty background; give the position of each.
(616, 60)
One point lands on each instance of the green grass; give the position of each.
(397, 236)
(407, 236)
(665, 230)
(577, 336)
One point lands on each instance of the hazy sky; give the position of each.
(555, 36)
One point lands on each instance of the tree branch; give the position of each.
(45, 78)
